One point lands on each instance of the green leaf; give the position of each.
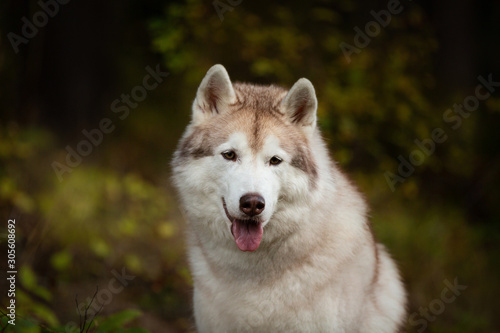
(137, 330)
(27, 277)
(117, 320)
(61, 260)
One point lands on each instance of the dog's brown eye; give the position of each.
(229, 155)
(275, 160)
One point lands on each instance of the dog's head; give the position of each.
(245, 158)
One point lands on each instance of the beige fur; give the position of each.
(318, 267)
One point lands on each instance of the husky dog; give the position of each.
(278, 238)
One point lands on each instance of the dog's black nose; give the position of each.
(252, 204)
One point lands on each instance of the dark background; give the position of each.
(116, 209)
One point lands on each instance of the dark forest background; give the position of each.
(114, 211)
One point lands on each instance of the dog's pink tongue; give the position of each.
(247, 235)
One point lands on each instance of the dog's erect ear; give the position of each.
(214, 94)
(300, 103)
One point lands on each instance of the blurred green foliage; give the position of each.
(116, 210)
(112, 324)
(93, 223)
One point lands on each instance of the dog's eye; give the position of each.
(275, 160)
(229, 155)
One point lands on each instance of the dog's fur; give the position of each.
(316, 267)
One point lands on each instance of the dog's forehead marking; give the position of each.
(270, 145)
(259, 125)
(272, 141)
(239, 140)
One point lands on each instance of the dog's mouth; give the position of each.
(247, 233)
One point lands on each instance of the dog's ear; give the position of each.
(214, 95)
(300, 104)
